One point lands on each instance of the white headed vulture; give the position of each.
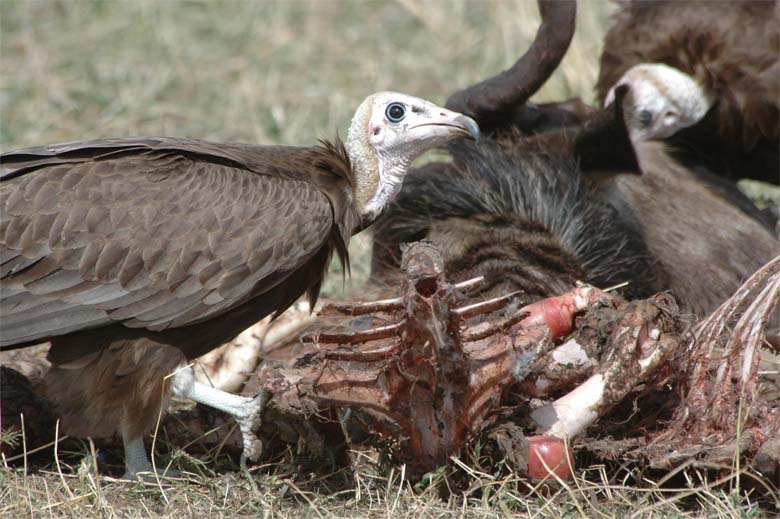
(682, 61)
(132, 256)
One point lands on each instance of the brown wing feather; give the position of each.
(155, 238)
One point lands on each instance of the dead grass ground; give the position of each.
(281, 72)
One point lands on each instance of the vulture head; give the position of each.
(660, 100)
(390, 130)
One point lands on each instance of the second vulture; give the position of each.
(132, 256)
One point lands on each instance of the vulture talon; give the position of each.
(246, 411)
(149, 477)
(253, 445)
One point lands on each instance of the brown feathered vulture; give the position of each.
(682, 61)
(132, 256)
(698, 87)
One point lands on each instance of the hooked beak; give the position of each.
(464, 125)
(468, 125)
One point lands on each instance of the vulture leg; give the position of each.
(246, 411)
(136, 460)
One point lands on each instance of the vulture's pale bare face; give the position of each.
(661, 100)
(388, 132)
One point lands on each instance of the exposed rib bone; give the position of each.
(433, 376)
(484, 307)
(355, 309)
(362, 356)
(499, 326)
(373, 334)
(470, 284)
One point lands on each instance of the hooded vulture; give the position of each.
(132, 256)
(710, 69)
(559, 191)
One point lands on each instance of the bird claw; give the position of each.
(252, 444)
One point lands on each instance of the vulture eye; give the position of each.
(395, 112)
(645, 117)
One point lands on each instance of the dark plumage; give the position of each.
(152, 235)
(704, 244)
(698, 88)
(132, 256)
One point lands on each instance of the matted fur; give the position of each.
(520, 214)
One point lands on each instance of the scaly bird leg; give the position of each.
(247, 412)
(136, 461)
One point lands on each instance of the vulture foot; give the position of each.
(247, 411)
(249, 423)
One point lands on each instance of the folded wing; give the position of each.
(152, 233)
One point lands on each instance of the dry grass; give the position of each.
(278, 72)
(283, 490)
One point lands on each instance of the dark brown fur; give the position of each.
(519, 214)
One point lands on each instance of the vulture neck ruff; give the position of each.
(378, 176)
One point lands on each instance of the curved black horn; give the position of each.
(491, 102)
